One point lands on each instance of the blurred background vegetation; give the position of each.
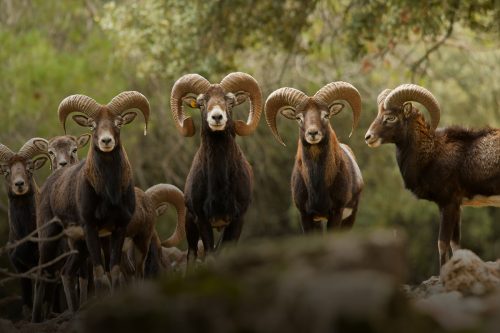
(51, 49)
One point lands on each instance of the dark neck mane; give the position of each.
(320, 166)
(415, 149)
(221, 160)
(108, 173)
(22, 213)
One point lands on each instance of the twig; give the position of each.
(31, 237)
(415, 66)
(30, 274)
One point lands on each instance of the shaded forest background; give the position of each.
(51, 49)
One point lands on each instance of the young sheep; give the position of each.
(326, 180)
(450, 166)
(219, 184)
(23, 195)
(63, 150)
(97, 193)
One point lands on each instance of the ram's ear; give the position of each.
(407, 108)
(335, 108)
(82, 140)
(288, 112)
(84, 121)
(240, 97)
(191, 101)
(41, 144)
(128, 117)
(39, 162)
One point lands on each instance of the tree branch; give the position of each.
(416, 65)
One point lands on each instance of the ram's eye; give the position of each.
(74, 150)
(325, 115)
(51, 153)
(390, 119)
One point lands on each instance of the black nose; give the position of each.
(368, 137)
(64, 163)
(19, 183)
(217, 117)
(313, 132)
(106, 141)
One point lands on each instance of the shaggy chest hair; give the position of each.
(109, 175)
(318, 171)
(222, 168)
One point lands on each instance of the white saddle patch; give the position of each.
(482, 201)
(346, 212)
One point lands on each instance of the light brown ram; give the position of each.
(326, 180)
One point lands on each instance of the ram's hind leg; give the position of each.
(309, 225)
(70, 271)
(232, 232)
(348, 221)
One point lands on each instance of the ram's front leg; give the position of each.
(117, 240)
(450, 218)
(335, 219)
(101, 280)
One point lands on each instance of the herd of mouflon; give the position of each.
(96, 230)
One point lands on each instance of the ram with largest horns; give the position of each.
(97, 193)
(326, 180)
(219, 184)
(451, 166)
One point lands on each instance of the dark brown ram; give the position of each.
(97, 193)
(326, 180)
(451, 166)
(23, 195)
(219, 184)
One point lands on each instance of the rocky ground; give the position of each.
(339, 283)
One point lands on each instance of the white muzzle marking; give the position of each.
(217, 118)
(106, 142)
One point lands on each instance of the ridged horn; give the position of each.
(240, 81)
(5, 153)
(412, 92)
(341, 90)
(166, 193)
(382, 96)
(34, 147)
(131, 100)
(77, 103)
(279, 99)
(187, 84)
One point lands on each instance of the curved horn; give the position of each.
(77, 103)
(33, 147)
(5, 153)
(131, 100)
(279, 99)
(382, 96)
(166, 193)
(239, 81)
(412, 92)
(342, 90)
(189, 83)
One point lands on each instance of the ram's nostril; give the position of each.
(106, 141)
(19, 183)
(217, 117)
(63, 163)
(313, 132)
(368, 137)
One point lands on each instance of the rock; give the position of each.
(467, 273)
(427, 288)
(452, 310)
